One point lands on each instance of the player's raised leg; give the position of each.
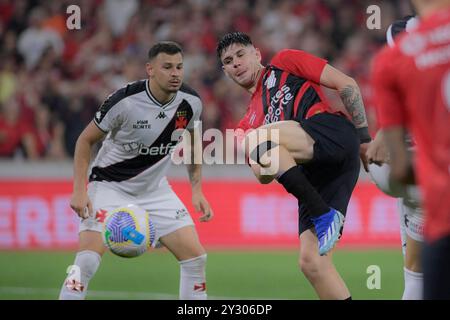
(187, 249)
(279, 148)
(86, 263)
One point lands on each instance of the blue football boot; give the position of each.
(328, 229)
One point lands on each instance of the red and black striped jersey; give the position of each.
(288, 89)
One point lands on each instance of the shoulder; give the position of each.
(124, 92)
(118, 96)
(385, 57)
(287, 54)
(387, 66)
(282, 54)
(189, 91)
(191, 96)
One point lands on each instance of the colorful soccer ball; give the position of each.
(128, 231)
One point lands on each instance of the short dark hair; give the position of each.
(169, 47)
(232, 38)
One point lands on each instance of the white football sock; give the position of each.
(413, 285)
(85, 265)
(193, 278)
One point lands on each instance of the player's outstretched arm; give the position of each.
(349, 92)
(194, 169)
(80, 201)
(351, 98)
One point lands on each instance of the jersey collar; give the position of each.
(154, 100)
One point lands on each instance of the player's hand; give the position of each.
(81, 204)
(377, 152)
(362, 154)
(201, 204)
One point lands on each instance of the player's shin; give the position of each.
(84, 268)
(296, 183)
(193, 278)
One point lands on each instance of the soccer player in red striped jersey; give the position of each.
(412, 90)
(316, 148)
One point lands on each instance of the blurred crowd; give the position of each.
(52, 79)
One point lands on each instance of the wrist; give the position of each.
(79, 187)
(196, 188)
(363, 134)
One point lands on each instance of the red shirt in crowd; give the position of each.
(11, 136)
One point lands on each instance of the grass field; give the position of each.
(230, 275)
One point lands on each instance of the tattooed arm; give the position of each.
(351, 97)
(348, 91)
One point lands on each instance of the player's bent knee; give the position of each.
(198, 251)
(92, 241)
(259, 154)
(310, 266)
(183, 243)
(266, 179)
(196, 261)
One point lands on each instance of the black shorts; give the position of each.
(334, 169)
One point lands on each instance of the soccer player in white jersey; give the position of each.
(409, 204)
(139, 121)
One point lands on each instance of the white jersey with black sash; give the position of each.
(135, 154)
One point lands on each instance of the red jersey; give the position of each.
(288, 89)
(412, 89)
(11, 135)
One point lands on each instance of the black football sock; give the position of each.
(295, 182)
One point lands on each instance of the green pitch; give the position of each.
(230, 275)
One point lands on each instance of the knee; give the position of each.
(199, 260)
(91, 241)
(262, 174)
(310, 266)
(194, 265)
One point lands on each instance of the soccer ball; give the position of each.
(128, 231)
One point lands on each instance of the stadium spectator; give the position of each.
(34, 41)
(102, 56)
(15, 132)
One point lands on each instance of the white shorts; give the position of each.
(166, 210)
(411, 218)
